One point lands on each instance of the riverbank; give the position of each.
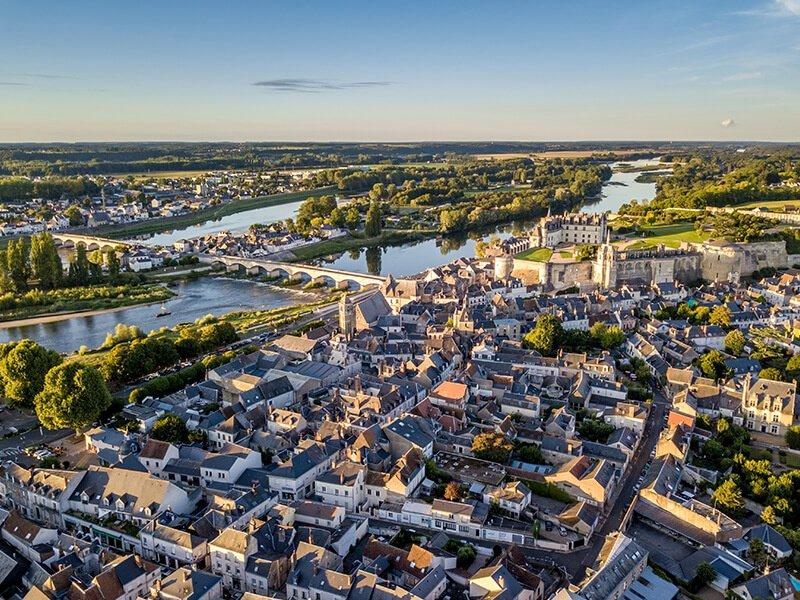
(63, 316)
(389, 237)
(161, 224)
(57, 305)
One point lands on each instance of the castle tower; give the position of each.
(347, 317)
(605, 267)
(503, 265)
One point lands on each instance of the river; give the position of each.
(415, 257)
(218, 295)
(236, 222)
(194, 299)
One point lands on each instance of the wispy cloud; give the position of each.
(791, 7)
(12, 83)
(43, 75)
(773, 9)
(728, 123)
(313, 86)
(743, 76)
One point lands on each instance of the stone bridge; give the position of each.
(70, 240)
(294, 271)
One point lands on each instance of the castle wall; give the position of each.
(718, 261)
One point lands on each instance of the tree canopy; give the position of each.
(74, 395)
(23, 370)
(170, 428)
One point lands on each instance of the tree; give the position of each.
(465, 556)
(704, 574)
(492, 446)
(79, 266)
(607, 337)
(734, 342)
(452, 491)
(793, 367)
(768, 516)
(74, 395)
(170, 428)
(712, 364)
(372, 227)
(721, 315)
(757, 553)
(75, 216)
(45, 262)
(23, 371)
(728, 497)
(16, 265)
(352, 218)
(770, 373)
(793, 437)
(546, 335)
(531, 454)
(112, 263)
(595, 430)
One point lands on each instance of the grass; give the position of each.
(771, 205)
(536, 254)
(791, 460)
(565, 254)
(158, 225)
(669, 235)
(139, 175)
(70, 300)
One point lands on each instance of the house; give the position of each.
(294, 477)
(124, 578)
(585, 478)
(767, 406)
(190, 584)
(33, 541)
(774, 542)
(343, 486)
(514, 497)
(172, 547)
(776, 585)
(229, 552)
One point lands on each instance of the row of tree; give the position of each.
(63, 394)
(22, 265)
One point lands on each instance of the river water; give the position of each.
(235, 223)
(194, 299)
(218, 295)
(412, 258)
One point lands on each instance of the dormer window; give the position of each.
(120, 504)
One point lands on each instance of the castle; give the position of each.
(569, 228)
(612, 267)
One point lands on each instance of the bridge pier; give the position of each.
(234, 268)
(254, 270)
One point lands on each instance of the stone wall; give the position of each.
(719, 260)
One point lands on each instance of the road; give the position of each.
(576, 562)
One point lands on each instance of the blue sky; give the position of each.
(379, 70)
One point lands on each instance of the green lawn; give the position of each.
(669, 235)
(772, 205)
(536, 254)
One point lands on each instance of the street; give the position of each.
(577, 562)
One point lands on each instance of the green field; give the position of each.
(669, 235)
(771, 205)
(166, 174)
(536, 254)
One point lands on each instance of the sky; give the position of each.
(330, 70)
